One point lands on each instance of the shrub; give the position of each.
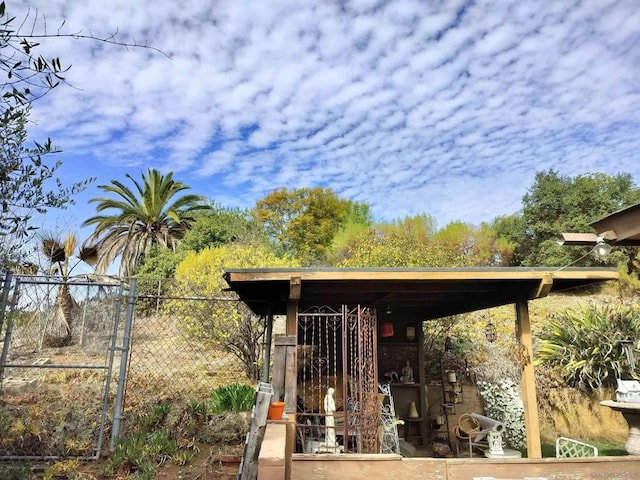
(586, 345)
(232, 398)
(502, 402)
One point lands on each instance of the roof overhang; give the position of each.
(621, 228)
(427, 293)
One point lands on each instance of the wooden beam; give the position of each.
(532, 426)
(571, 238)
(295, 287)
(545, 286)
(625, 223)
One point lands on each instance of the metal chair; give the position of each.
(570, 448)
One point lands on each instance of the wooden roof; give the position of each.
(621, 227)
(425, 292)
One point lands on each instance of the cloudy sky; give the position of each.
(445, 107)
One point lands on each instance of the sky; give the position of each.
(441, 107)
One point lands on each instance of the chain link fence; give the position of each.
(174, 357)
(73, 371)
(59, 340)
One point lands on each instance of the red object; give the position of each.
(386, 329)
(276, 409)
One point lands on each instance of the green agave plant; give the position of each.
(586, 345)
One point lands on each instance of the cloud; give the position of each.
(447, 108)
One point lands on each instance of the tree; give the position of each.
(228, 324)
(556, 204)
(138, 220)
(511, 230)
(25, 172)
(24, 177)
(474, 246)
(415, 242)
(60, 252)
(303, 222)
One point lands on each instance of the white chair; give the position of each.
(569, 448)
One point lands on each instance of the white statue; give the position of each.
(407, 373)
(329, 410)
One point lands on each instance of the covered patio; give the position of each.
(348, 300)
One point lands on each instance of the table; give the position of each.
(631, 413)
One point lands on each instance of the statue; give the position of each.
(329, 409)
(407, 373)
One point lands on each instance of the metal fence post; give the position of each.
(8, 329)
(5, 297)
(122, 380)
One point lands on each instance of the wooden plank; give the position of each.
(279, 363)
(249, 463)
(511, 273)
(290, 380)
(532, 426)
(375, 467)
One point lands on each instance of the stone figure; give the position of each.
(407, 373)
(329, 410)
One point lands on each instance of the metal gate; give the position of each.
(59, 340)
(338, 349)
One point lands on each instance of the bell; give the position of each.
(413, 411)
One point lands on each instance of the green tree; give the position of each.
(415, 242)
(402, 243)
(303, 222)
(511, 230)
(135, 221)
(28, 185)
(556, 204)
(474, 246)
(226, 325)
(24, 184)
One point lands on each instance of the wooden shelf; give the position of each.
(404, 385)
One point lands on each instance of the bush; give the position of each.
(586, 345)
(232, 398)
(502, 402)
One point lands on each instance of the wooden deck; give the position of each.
(386, 467)
(273, 465)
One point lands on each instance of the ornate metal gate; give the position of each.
(338, 349)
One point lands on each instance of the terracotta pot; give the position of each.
(276, 409)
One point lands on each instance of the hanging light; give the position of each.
(490, 332)
(602, 248)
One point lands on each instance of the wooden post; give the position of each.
(282, 344)
(532, 426)
(295, 289)
(267, 347)
(249, 462)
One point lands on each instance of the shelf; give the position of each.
(404, 385)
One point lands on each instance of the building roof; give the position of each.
(427, 293)
(621, 227)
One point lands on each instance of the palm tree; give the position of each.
(141, 218)
(59, 252)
